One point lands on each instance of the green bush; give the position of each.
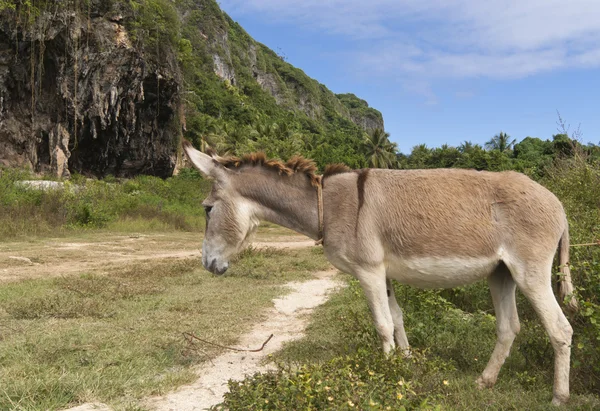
(83, 204)
(355, 374)
(364, 381)
(577, 183)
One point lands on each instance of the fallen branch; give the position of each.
(597, 242)
(192, 347)
(189, 337)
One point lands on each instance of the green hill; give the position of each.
(108, 87)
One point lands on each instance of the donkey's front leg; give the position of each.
(374, 285)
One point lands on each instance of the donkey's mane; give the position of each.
(296, 164)
(333, 169)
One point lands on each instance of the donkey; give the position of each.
(437, 228)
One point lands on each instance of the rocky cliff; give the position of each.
(106, 87)
(77, 96)
(361, 114)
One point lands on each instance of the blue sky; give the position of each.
(445, 71)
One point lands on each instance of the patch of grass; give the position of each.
(272, 263)
(59, 305)
(117, 338)
(342, 351)
(143, 203)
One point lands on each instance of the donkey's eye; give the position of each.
(208, 209)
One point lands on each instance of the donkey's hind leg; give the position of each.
(373, 283)
(502, 287)
(397, 318)
(534, 280)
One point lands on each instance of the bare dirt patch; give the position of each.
(101, 252)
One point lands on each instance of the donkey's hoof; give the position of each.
(484, 383)
(558, 400)
(389, 349)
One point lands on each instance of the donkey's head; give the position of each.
(229, 217)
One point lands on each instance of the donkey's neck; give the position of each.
(289, 201)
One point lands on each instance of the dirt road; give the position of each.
(103, 252)
(287, 320)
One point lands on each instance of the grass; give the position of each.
(341, 351)
(140, 204)
(116, 338)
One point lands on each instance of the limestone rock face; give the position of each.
(76, 95)
(58, 143)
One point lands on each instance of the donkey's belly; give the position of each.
(440, 272)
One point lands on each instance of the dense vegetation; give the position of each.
(238, 115)
(531, 155)
(142, 203)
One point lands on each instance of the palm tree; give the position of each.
(500, 142)
(209, 137)
(466, 146)
(261, 128)
(234, 139)
(202, 130)
(380, 151)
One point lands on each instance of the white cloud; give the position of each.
(442, 64)
(430, 39)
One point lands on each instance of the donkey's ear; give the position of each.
(205, 163)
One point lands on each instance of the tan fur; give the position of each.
(442, 212)
(429, 228)
(565, 285)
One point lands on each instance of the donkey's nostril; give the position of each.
(212, 265)
(220, 271)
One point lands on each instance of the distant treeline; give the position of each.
(532, 155)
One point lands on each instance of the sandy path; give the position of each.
(287, 321)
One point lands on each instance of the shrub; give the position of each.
(577, 183)
(84, 203)
(364, 381)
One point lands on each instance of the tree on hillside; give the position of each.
(202, 130)
(235, 139)
(263, 129)
(500, 142)
(380, 151)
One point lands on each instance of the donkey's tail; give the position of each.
(565, 284)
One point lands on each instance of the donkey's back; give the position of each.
(443, 214)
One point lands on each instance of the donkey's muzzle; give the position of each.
(215, 269)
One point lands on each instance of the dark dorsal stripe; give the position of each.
(360, 188)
